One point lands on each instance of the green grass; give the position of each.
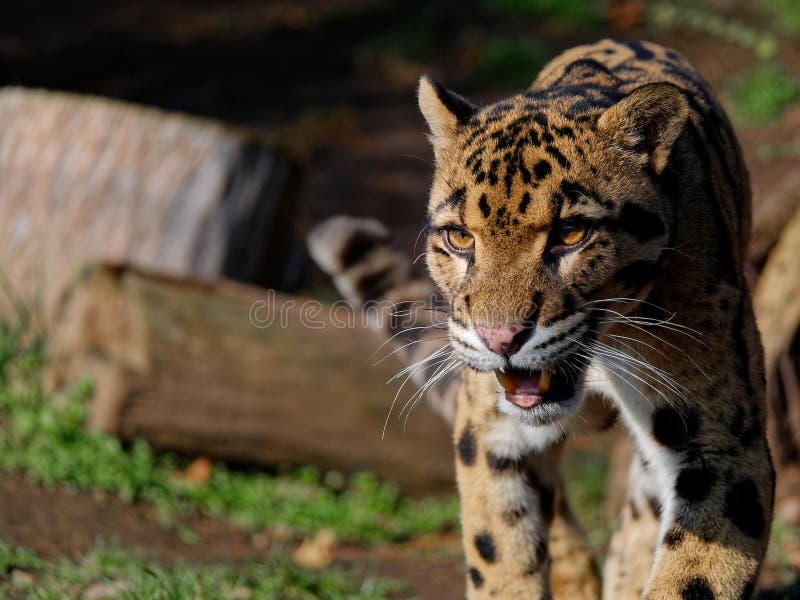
(43, 437)
(694, 16)
(564, 12)
(586, 482)
(509, 63)
(412, 36)
(785, 14)
(763, 93)
(125, 575)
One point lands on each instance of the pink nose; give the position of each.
(500, 339)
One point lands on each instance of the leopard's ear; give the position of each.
(647, 121)
(445, 111)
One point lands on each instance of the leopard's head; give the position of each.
(543, 209)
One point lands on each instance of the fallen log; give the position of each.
(240, 373)
(777, 305)
(88, 179)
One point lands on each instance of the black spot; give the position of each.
(483, 204)
(674, 537)
(523, 204)
(547, 500)
(503, 463)
(484, 544)
(695, 483)
(560, 158)
(640, 223)
(440, 251)
(466, 446)
(743, 508)
(673, 428)
(540, 118)
(639, 50)
(697, 589)
(476, 577)
(542, 169)
(565, 132)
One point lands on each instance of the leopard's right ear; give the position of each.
(445, 111)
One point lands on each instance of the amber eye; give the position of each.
(572, 234)
(458, 240)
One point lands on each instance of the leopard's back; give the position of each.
(594, 76)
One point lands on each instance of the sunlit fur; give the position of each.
(625, 140)
(650, 313)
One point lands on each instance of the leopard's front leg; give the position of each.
(515, 521)
(698, 416)
(718, 505)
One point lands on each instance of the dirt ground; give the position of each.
(56, 522)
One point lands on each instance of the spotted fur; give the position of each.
(649, 314)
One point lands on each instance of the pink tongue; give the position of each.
(523, 400)
(526, 385)
(523, 389)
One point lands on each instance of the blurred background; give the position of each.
(160, 165)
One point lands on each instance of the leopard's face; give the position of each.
(538, 221)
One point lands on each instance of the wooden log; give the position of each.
(777, 305)
(89, 179)
(190, 366)
(773, 207)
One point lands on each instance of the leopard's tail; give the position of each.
(369, 273)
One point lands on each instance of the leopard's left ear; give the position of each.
(648, 121)
(445, 111)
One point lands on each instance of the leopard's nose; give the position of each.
(504, 340)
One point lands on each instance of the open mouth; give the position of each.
(527, 389)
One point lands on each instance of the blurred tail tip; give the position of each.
(340, 242)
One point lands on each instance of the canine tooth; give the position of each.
(506, 381)
(544, 381)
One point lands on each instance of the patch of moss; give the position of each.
(763, 93)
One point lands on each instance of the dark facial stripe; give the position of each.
(523, 204)
(560, 158)
(483, 204)
(575, 191)
(454, 201)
